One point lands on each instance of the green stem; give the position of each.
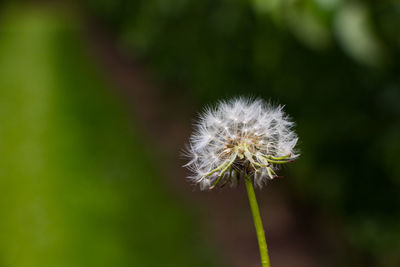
(257, 223)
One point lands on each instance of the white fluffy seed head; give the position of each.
(240, 137)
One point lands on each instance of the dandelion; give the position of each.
(241, 139)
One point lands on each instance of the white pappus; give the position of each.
(237, 138)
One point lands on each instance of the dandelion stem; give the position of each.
(257, 223)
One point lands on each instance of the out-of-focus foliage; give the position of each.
(77, 185)
(334, 63)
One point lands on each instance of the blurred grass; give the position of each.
(78, 187)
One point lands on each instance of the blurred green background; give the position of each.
(84, 181)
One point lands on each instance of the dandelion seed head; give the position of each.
(240, 137)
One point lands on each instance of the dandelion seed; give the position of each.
(249, 137)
